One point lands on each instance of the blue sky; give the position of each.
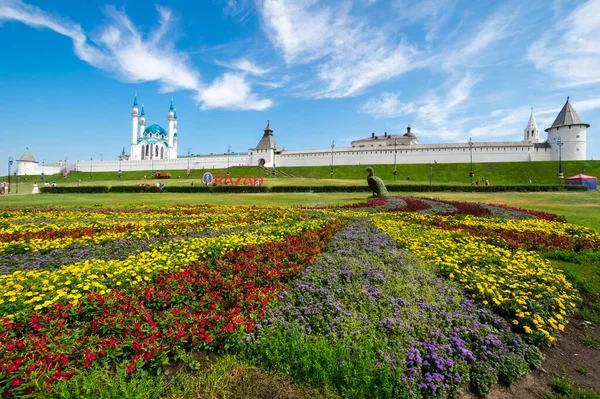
(321, 71)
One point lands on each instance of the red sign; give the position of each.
(239, 181)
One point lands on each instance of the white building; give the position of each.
(152, 142)
(153, 148)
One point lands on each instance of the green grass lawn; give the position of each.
(447, 173)
(577, 207)
(159, 199)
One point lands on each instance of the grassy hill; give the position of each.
(498, 173)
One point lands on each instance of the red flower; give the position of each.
(131, 367)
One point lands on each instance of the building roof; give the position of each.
(545, 144)
(388, 137)
(532, 124)
(155, 129)
(27, 157)
(567, 116)
(268, 141)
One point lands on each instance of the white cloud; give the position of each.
(120, 48)
(245, 65)
(387, 105)
(467, 51)
(434, 14)
(138, 60)
(349, 55)
(571, 50)
(37, 18)
(433, 111)
(231, 91)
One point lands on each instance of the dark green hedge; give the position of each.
(484, 189)
(304, 189)
(134, 189)
(80, 189)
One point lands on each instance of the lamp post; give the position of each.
(10, 162)
(17, 174)
(559, 143)
(430, 173)
(471, 162)
(101, 157)
(65, 171)
(91, 160)
(228, 155)
(120, 172)
(332, 147)
(188, 168)
(395, 154)
(43, 164)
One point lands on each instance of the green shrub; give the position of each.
(76, 189)
(512, 367)
(135, 189)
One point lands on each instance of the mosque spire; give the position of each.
(135, 103)
(172, 107)
(142, 113)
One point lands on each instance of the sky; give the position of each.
(323, 72)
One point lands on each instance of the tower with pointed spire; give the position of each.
(134, 118)
(571, 131)
(267, 148)
(532, 133)
(171, 127)
(142, 123)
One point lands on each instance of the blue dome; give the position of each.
(154, 129)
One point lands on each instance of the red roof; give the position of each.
(581, 176)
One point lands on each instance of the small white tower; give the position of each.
(175, 138)
(142, 123)
(264, 153)
(171, 126)
(134, 117)
(532, 133)
(571, 131)
(134, 124)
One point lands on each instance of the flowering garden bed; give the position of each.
(399, 297)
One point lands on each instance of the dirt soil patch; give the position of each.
(570, 357)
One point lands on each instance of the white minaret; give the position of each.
(142, 123)
(134, 117)
(171, 123)
(532, 133)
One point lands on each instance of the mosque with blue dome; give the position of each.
(152, 142)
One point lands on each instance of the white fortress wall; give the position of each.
(195, 163)
(417, 154)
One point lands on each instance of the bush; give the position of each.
(135, 189)
(78, 189)
(302, 189)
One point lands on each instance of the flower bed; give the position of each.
(131, 288)
(518, 285)
(208, 304)
(372, 321)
